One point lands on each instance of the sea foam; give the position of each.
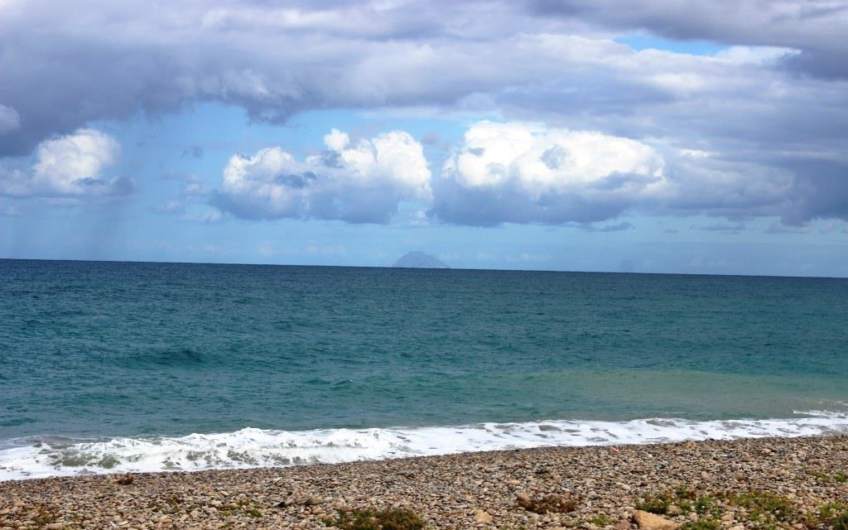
(250, 447)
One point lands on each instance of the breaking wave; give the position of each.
(250, 447)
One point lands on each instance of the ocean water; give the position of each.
(112, 367)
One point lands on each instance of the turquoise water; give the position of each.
(99, 351)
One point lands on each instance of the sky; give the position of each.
(590, 135)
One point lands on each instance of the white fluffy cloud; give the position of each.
(504, 172)
(523, 172)
(542, 160)
(357, 182)
(533, 173)
(70, 165)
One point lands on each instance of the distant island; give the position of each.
(420, 260)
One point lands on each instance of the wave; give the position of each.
(250, 447)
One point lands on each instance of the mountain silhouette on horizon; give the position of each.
(420, 260)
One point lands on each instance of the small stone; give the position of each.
(483, 517)
(623, 524)
(125, 480)
(649, 521)
(313, 500)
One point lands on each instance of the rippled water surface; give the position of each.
(103, 352)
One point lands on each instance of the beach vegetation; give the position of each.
(685, 500)
(838, 477)
(657, 504)
(702, 524)
(371, 519)
(601, 519)
(707, 505)
(830, 515)
(764, 507)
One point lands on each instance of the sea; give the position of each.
(110, 367)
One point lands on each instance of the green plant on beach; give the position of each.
(657, 504)
(765, 508)
(685, 499)
(702, 524)
(601, 519)
(838, 477)
(707, 505)
(370, 519)
(831, 515)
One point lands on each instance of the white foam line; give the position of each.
(259, 448)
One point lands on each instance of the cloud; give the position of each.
(529, 173)
(556, 62)
(68, 166)
(359, 182)
(95, 59)
(814, 27)
(9, 119)
(735, 228)
(616, 227)
(523, 172)
(518, 172)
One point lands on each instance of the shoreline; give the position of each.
(720, 484)
(249, 447)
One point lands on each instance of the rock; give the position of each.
(547, 504)
(623, 524)
(649, 521)
(483, 517)
(124, 480)
(674, 509)
(313, 500)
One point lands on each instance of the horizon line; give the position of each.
(448, 268)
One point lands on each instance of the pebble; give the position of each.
(483, 517)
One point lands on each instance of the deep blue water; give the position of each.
(100, 349)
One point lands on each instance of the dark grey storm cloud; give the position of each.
(66, 64)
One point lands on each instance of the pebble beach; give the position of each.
(752, 483)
